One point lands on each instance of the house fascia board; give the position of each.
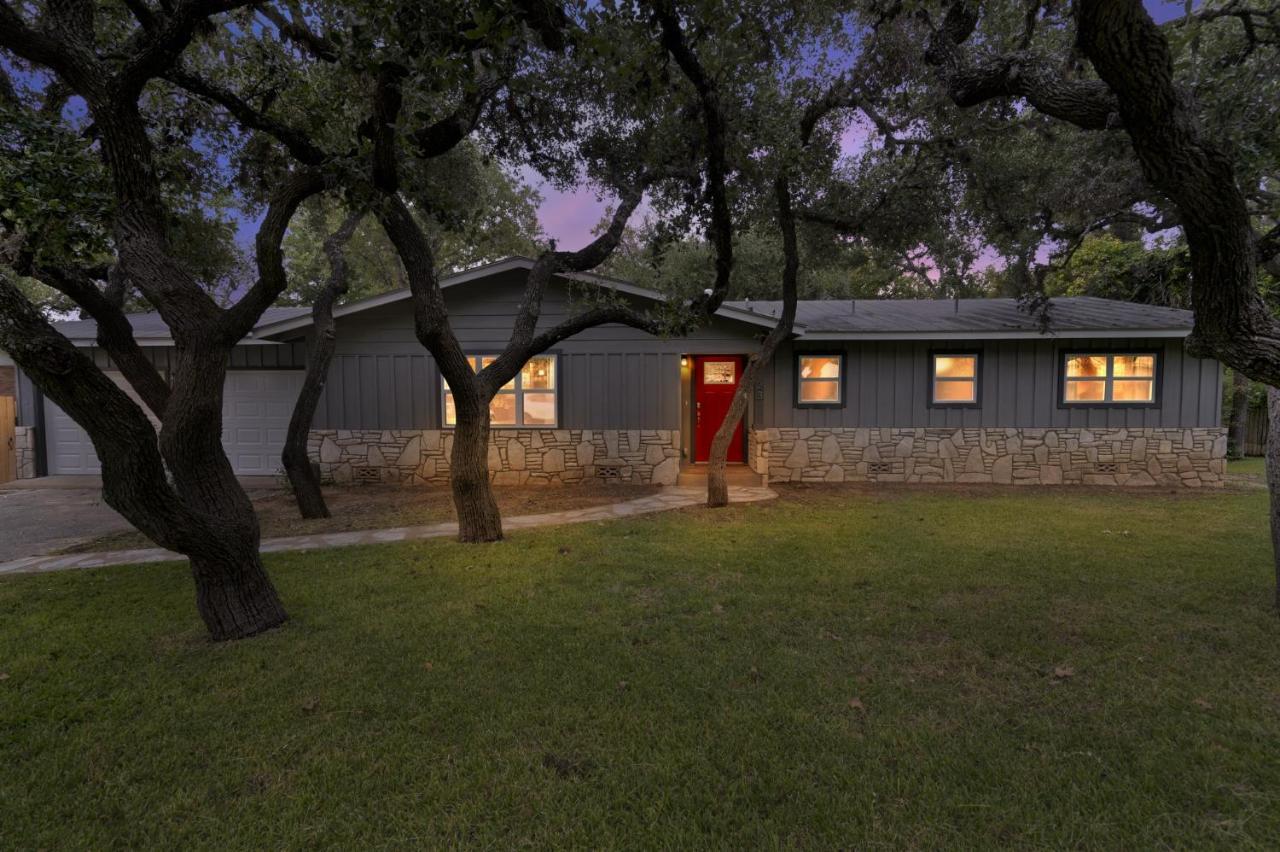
(1109, 333)
(160, 342)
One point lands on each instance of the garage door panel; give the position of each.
(257, 405)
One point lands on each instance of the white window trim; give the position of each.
(517, 390)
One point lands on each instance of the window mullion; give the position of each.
(518, 383)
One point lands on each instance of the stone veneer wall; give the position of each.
(516, 456)
(1191, 457)
(24, 447)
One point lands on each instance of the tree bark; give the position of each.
(1237, 431)
(179, 490)
(717, 486)
(478, 517)
(1179, 158)
(297, 464)
(1273, 479)
(234, 595)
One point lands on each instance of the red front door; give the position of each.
(715, 378)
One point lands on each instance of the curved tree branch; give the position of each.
(238, 320)
(1089, 104)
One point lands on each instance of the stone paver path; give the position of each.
(667, 499)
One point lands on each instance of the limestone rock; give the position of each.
(654, 454)
(830, 450)
(553, 461)
(666, 472)
(586, 454)
(799, 457)
(1002, 470)
(411, 454)
(329, 451)
(515, 454)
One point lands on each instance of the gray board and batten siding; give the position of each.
(887, 385)
(615, 377)
(270, 356)
(610, 377)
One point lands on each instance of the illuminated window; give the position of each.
(1106, 378)
(820, 379)
(955, 379)
(527, 400)
(719, 372)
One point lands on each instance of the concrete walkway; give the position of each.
(665, 500)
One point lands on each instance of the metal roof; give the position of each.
(977, 318)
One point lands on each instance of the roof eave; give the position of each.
(1061, 334)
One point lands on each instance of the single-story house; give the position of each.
(969, 390)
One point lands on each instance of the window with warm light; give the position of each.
(820, 379)
(527, 400)
(1109, 378)
(955, 379)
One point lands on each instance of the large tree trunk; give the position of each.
(478, 516)
(1237, 432)
(233, 593)
(297, 464)
(202, 512)
(1273, 479)
(717, 486)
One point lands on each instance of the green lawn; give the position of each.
(941, 669)
(1253, 466)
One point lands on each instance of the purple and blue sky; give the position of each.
(569, 217)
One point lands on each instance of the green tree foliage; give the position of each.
(1111, 268)
(491, 215)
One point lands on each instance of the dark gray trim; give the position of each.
(1157, 377)
(933, 355)
(843, 380)
(42, 444)
(557, 391)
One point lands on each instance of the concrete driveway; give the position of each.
(35, 521)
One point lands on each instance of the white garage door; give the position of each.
(256, 407)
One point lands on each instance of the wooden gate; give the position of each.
(8, 455)
(1255, 432)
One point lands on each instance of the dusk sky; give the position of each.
(569, 217)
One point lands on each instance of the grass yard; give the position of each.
(851, 668)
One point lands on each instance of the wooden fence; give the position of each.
(8, 456)
(1255, 432)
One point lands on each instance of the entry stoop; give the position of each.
(735, 474)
